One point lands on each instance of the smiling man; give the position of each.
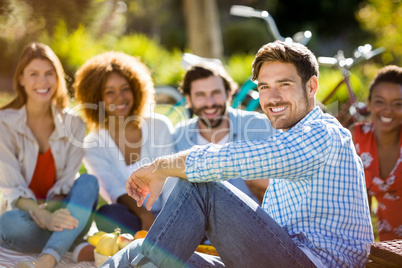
(315, 211)
(208, 91)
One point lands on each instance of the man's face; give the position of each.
(282, 96)
(208, 99)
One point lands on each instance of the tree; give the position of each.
(383, 18)
(203, 28)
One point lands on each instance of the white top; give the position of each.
(202, 141)
(104, 160)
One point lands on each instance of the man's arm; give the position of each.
(294, 155)
(151, 178)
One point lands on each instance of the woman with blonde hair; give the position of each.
(47, 209)
(117, 94)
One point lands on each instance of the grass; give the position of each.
(174, 113)
(374, 207)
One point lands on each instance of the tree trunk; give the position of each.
(203, 29)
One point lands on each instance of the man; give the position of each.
(315, 212)
(208, 90)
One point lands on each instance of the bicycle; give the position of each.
(246, 95)
(353, 110)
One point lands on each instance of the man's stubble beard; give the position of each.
(217, 121)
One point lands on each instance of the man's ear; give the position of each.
(188, 100)
(312, 86)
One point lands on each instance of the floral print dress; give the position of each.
(387, 191)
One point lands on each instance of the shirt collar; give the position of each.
(314, 114)
(18, 121)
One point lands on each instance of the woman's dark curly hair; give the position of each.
(91, 78)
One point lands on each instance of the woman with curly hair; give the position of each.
(47, 207)
(116, 92)
(379, 144)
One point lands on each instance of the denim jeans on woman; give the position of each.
(111, 216)
(19, 232)
(243, 234)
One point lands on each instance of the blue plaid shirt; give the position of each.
(317, 191)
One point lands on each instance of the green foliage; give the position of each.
(245, 36)
(383, 18)
(165, 65)
(158, 18)
(360, 77)
(239, 67)
(175, 114)
(24, 21)
(74, 48)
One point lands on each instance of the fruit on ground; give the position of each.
(107, 244)
(124, 239)
(94, 239)
(207, 249)
(140, 234)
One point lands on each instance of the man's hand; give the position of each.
(147, 179)
(151, 178)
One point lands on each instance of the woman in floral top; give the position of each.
(379, 145)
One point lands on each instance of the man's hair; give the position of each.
(297, 54)
(41, 51)
(204, 70)
(91, 78)
(390, 74)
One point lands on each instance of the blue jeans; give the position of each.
(19, 232)
(109, 217)
(241, 231)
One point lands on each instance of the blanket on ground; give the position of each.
(10, 258)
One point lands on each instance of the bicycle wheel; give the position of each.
(171, 103)
(168, 95)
